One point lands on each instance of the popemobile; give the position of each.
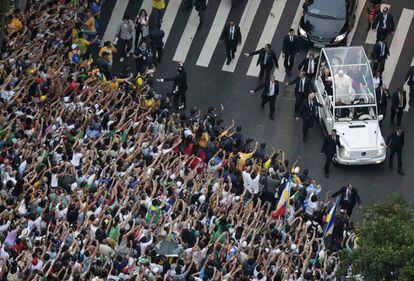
(344, 86)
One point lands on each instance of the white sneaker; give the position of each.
(121, 59)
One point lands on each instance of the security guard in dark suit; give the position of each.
(270, 91)
(290, 48)
(410, 82)
(395, 142)
(267, 60)
(308, 113)
(329, 146)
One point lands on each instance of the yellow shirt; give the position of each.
(83, 45)
(242, 159)
(109, 50)
(158, 4)
(14, 25)
(90, 24)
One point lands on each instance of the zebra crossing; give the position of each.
(281, 13)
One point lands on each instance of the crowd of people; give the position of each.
(102, 179)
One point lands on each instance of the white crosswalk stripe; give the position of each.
(268, 32)
(280, 73)
(115, 20)
(214, 34)
(358, 12)
(246, 22)
(169, 17)
(187, 37)
(372, 35)
(397, 44)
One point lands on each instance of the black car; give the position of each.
(326, 22)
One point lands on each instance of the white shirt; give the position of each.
(76, 159)
(22, 167)
(252, 185)
(232, 32)
(271, 89)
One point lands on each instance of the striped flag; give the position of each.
(330, 220)
(283, 201)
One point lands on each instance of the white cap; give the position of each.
(202, 199)
(296, 170)
(74, 46)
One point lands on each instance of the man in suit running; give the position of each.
(267, 60)
(379, 54)
(398, 103)
(329, 146)
(384, 24)
(303, 86)
(231, 36)
(270, 91)
(308, 113)
(395, 142)
(290, 48)
(349, 197)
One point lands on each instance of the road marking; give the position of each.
(280, 73)
(268, 33)
(372, 35)
(187, 37)
(358, 12)
(169, 17)
(214, 34)
(245, 23)
(115, 20)
(407, 90)
(147, 5)
(397, 44)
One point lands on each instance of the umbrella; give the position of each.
(168, 248)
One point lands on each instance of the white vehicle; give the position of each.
(344, 86)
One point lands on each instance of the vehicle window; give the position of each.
(327, 8)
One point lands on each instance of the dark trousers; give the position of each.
(157, 51)
(411, 93)
(298, 102)
(399, 157)
(328, 162)
(382, 109)
(231, 48)
(272, 101)
(399, 115)
(307, 123)
(289, 60)
(379, 65)
(265, 71)
(139, 38)
(157, 15)
(124, 46)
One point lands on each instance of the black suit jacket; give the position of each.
(271, 58)
(265, 86)
(353, 197)
(308, 86)
(304, 65)
(225, 35)
(410, 76)
(180, 81)
(390, 27)
(306, 112)
(394, 141)
(395, 101)
(290, 47)
(376, 51)
(382, 98)
(329, 145)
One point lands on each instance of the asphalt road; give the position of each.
(212, 86)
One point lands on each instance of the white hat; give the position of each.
(296, 170)
(25, 233)
(74, 46)
(179, 184)
(293, 247)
